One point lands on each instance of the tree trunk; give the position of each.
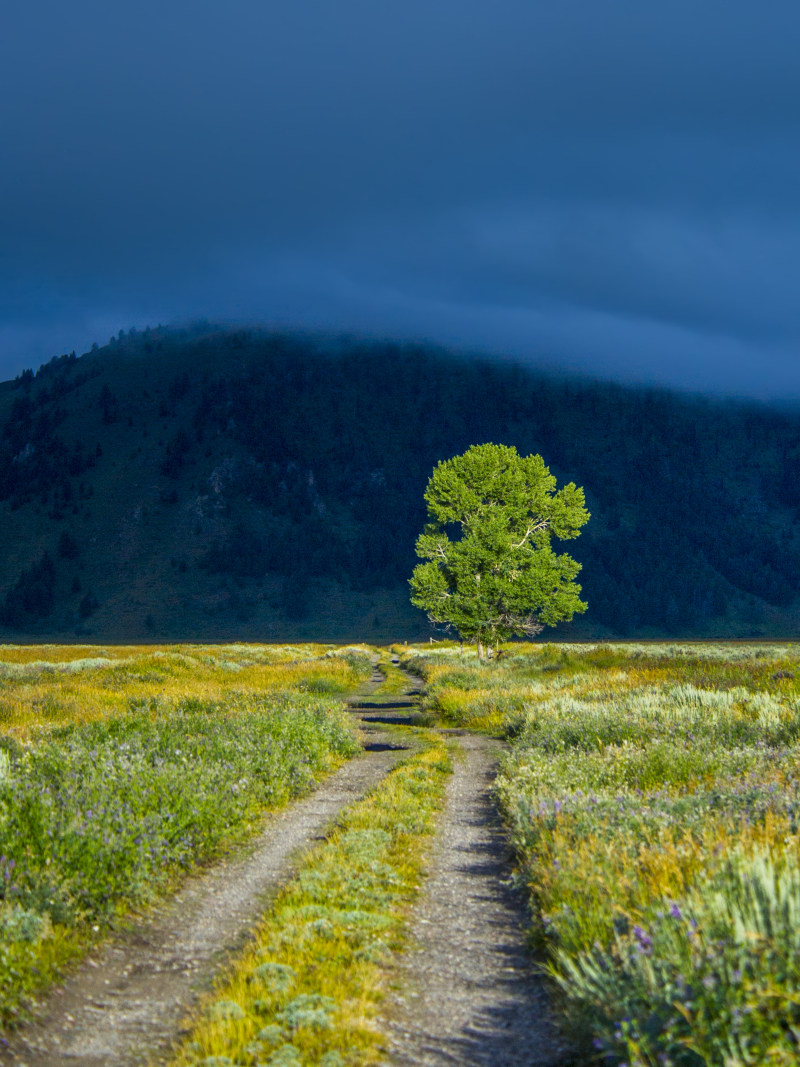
(479, 645)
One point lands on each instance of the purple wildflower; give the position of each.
(642, 937)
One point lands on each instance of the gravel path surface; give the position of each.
(469, 994)
(127, 1001)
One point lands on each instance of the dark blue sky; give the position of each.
(603, 186)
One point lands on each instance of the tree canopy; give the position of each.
(491, 571)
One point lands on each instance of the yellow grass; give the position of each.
(51, 685)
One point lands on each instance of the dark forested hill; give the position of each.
(180, 484)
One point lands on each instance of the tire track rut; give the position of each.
(125, 1003)
(469, 990)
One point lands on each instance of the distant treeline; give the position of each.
(694, 502)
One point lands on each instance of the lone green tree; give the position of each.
(490, 571)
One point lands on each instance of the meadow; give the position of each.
(652, 795)
(122, 768)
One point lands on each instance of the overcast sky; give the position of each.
(610, 187)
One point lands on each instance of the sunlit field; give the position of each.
(652, 794)
(52, 685)
(120, 768)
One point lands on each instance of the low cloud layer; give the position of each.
(610, 188)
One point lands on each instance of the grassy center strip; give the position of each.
(306, 989)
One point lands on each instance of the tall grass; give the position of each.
(45, 686)
(118, 773)
(652, 793)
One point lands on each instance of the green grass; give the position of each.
(652, 793)
(46, 686)
(103, 807)
(307, 989)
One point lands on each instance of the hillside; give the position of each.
(217, 485)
